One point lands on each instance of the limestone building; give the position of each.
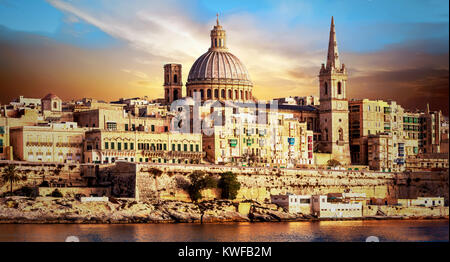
(107, 146)
(334, 105)
(278, 141)
(172, 82)
(56, 142)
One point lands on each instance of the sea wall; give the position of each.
(410, 211)
(170, 182)
(54, 174)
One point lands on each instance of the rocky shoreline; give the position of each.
(45, 210)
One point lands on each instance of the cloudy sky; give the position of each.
(108, 49)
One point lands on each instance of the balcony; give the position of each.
(173, 154)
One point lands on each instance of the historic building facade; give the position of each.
(106, 146)
(334, 105)
(56, 142)
(173, 82)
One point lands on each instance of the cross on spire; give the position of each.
(217, 18)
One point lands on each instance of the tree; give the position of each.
(10, 175)
(200, 181)
(229, 184)
(333, 163)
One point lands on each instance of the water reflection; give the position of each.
(394, 230)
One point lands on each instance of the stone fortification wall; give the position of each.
(411, 211)
(171, 182)
(55, 174)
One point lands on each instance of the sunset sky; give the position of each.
(395, 50)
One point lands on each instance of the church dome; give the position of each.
(218, 66)
(218, 74)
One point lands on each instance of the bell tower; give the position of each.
(172, 82)
(334, 104)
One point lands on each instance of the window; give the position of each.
(192, 147)
(216, 93)
(179, 147)
(165, 146)
(111, 125)
(132, 146)
(339, 88)
(125, 146)
(173, 147)
(55, 105)
(196, 148)
(326, 88)
(126, 127)
(119, 146)
(153, 128)
(106, 145)
(222, 93)
(185, 147)
(208, 92)
(112, 145)
(175, 78)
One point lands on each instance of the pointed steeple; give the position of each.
(333, 54)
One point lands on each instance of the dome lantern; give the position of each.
(218, 37)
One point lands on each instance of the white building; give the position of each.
(423, 201)
(322, 208)
(293, 203)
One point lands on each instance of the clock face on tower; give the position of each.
(339, 105)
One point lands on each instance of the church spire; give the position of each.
(333, 54)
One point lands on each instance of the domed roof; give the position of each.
(219, 65)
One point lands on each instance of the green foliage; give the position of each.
(56, 193)
(333, 163)
(200, 181)
(10, 174)
(229, 184)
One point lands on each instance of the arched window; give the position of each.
(202, 93)
(341, 134)
(236, 94)
(215, 42)
(246, 95)
(339, 88)
(208, 92)
(242, 95)
(175, 94)
(216, 93)
(230, 94)
(222, 93)
(326, 88)
(175, 79)
(55, 105)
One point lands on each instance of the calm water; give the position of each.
(394, 230)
